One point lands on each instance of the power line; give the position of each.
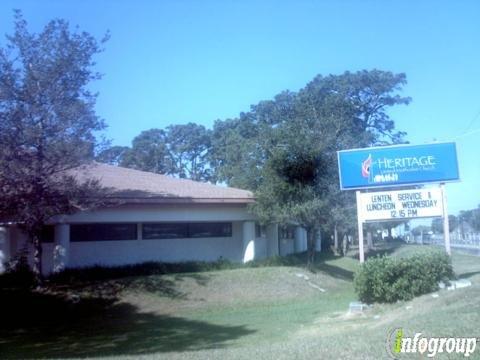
(470, 124)
(467, 133)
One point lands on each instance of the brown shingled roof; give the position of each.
(141, 186)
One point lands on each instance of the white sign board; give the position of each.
(402, 204)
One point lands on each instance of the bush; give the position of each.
(387, 279)
(18, 273)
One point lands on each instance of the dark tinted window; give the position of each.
(48, 234)
(185, 230)
(260, 231)
(165, 231)
(286, 232)
(200, 230)
(103, 232)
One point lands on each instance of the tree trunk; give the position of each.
(345, 245)
(369, 241)
(311, 246)
(335, 239)
(37, 258)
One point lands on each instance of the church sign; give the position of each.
(397, 165)
(402, 167)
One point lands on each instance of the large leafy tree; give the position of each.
(149, 152)
(188, 147)
(285, 149)
(47, 124)
(437, 224)
(236, 155)
(178, 150)
(470, 217)
(112, 155)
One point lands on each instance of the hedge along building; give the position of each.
(157, 218)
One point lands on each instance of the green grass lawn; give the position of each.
(245, 313)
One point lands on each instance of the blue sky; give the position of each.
(170, 62)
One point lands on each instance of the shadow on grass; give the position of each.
(468, 274)
(39, 325)
(161, 285)
(335, 271)
(103, 273)
(380, 252)
(380, 249)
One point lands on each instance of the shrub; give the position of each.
(387, 279)
(18, 273)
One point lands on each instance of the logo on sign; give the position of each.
(366, 166)
(388, 169)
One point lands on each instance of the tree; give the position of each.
(149, 152)
(475, 219)
(470, 217)
(437, 224)
(234, 157)
(364, 97)
(285, 149)
(47, 124)
(179, 150)
(420, 229)
(114, 155)
(188, 147)
(390, 225)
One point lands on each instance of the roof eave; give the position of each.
(173, 200)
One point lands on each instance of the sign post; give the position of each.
(360, 228)
(446, 225)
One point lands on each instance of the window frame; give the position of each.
(219, 224)
(99, 236)
(145, 225)
(190, 232)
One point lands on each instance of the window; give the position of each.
(185, 230)
(165, 231)
(47, 234)
(286, 232)
(260, 231)
(103, 232)
(201, 230)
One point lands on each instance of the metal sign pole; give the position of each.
(360, 229)
(446, 227)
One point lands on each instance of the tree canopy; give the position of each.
(178, 150)
(149, 152)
